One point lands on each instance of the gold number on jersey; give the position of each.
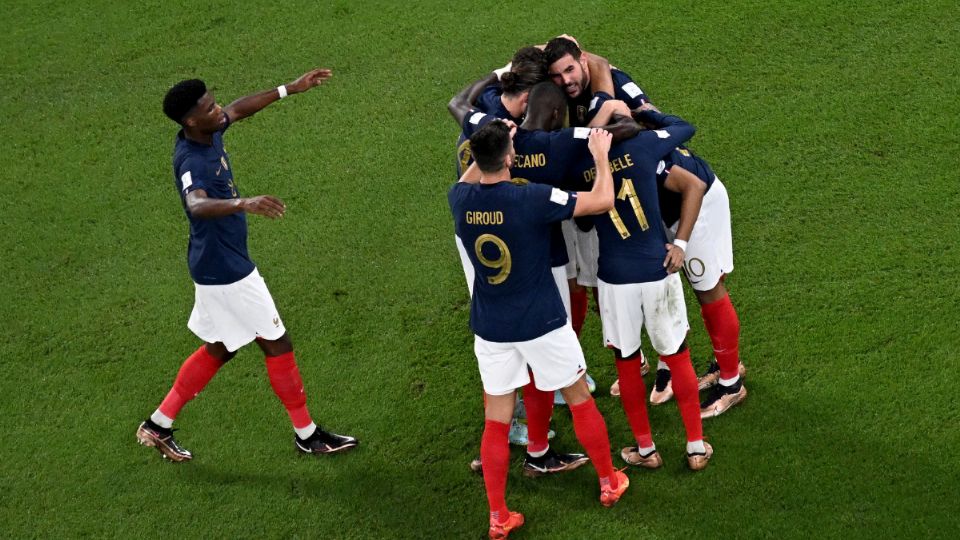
(628, 192)
(504, 262)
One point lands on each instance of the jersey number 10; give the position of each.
(628, 192)
(504, 262)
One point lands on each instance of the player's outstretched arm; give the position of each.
(599, 199)
(461, 103)
(691, 190)
(203, 207)
(251, 105)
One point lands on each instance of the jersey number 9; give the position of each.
(628, 192)
(504, 262)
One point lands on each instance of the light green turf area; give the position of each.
(834, 127)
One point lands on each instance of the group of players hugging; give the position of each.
(571, 181)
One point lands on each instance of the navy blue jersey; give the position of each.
(544, 157)
(505, 228)
(217, 252)
(487, 102)
(586, 105)
(671, 201)
(631, 236)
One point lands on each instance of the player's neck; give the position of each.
(503, 175)
(197, 136)
(513, 105)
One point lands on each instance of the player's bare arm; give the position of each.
(471, 175)
(252, 104)
(599, 199)
(601, 79)
(203, 207)
(606, 112)
(461, 103)
(691, 190)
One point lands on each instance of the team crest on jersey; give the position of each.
(684, 151)
(581, 114)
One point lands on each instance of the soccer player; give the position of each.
(232, 304)
(547, 154)
(708, 258)
(516, 314)
(639, 287)
(570, 70)
(503, 94)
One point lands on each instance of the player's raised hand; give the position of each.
(308, 80)
(599, 142)
(674, 260)
(264, 205)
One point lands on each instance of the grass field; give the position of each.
(834, 126)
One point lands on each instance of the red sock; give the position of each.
(633, 395)
(578, 308)
(539, 406)
(591, 431)
(495, 456)
(287, 384)
(724, 328)
(194, 374)
(685, 390)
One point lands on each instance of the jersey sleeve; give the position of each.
(627, 90)
(192, 174)
(550, 204)
(671, 132)
(489, 99)
(474, 120)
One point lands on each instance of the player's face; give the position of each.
(206, 116)
(570, 75)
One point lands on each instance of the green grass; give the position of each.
(833, 125)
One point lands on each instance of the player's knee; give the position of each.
(635, 355)
(712, 295)
(219, 351)
(276, 347)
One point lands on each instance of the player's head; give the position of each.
(566, 66)
(547, 106)
(492, 147)
(189, 104)
(531, 55)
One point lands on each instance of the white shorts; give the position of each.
(583, 248)
(555, 359)
(657, 306)
(468, 271)
(709, 253)
(235, 314)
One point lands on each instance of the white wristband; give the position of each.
(503, 70)
(282, 89)
(682, 244)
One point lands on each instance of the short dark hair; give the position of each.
(547, 95)
(489, 145)
(183, 97)
(529, 54)
(559, 47)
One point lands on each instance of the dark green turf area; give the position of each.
(833, 125)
